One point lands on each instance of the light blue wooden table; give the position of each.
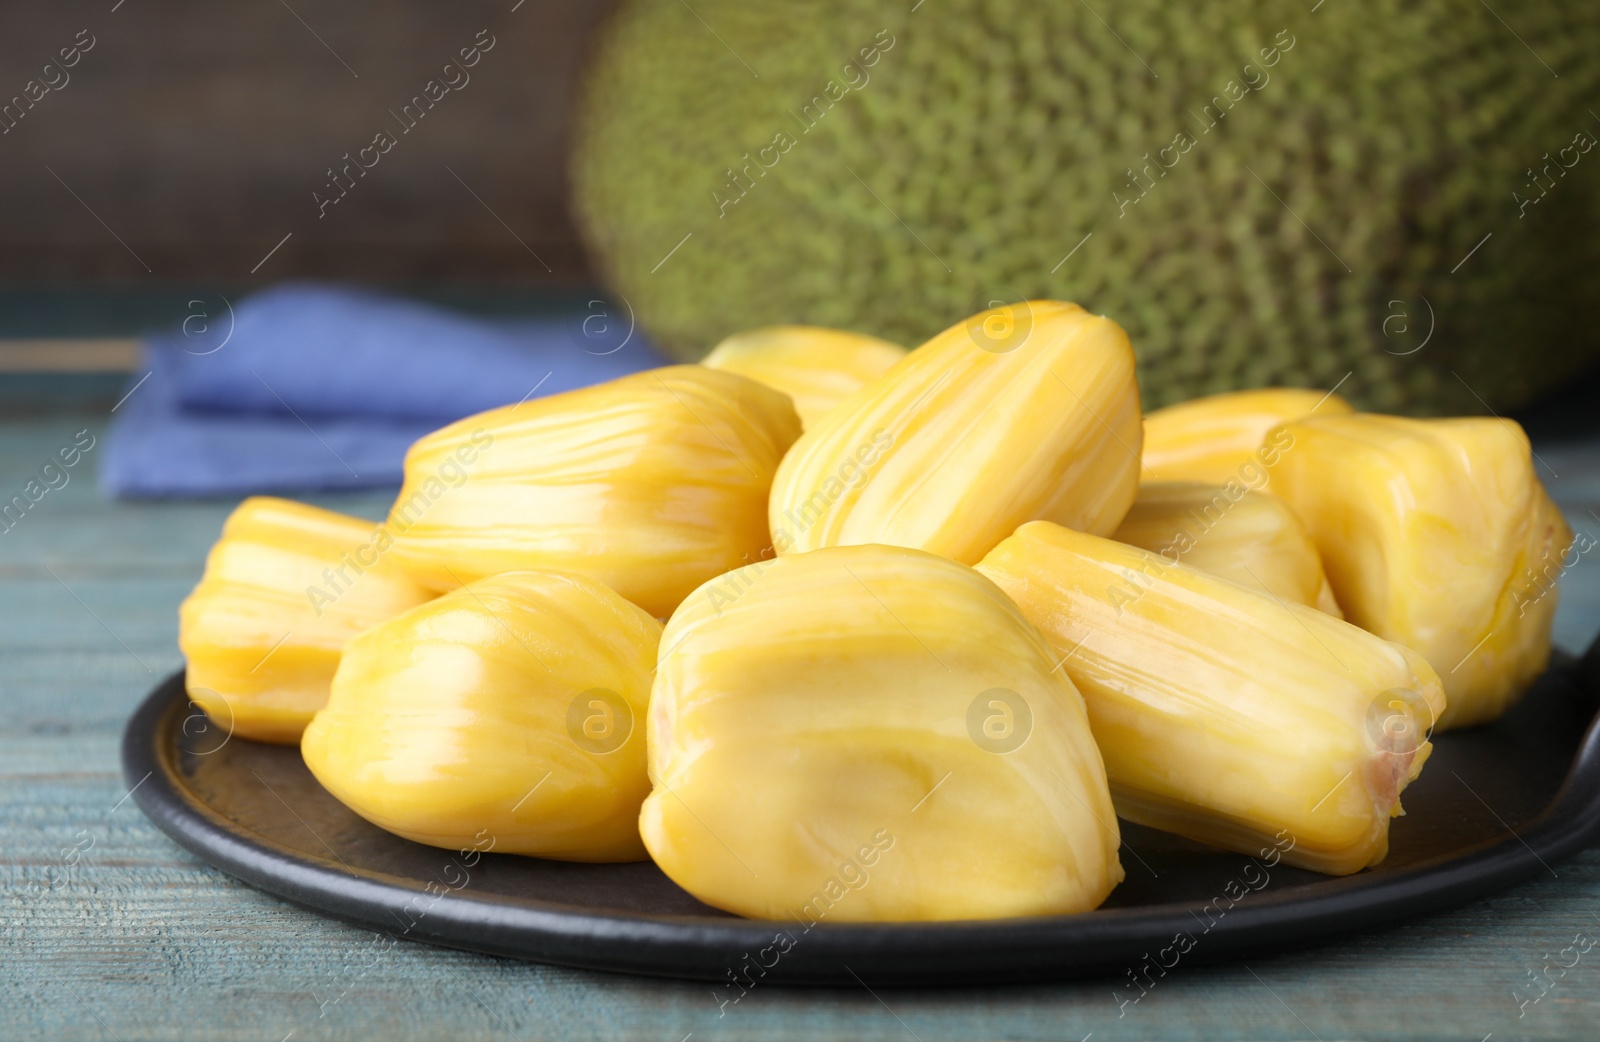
(138, 940)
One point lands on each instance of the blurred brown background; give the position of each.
(197, 133)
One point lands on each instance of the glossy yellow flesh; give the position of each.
(812, 708)
(262, 632)
(458, 724)
(1432, 532)
(1250, 537)
(816, 367)
(956, 445)
(1214, 439)
(652, 484)
(1224, 714)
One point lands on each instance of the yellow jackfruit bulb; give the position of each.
(1225, 714)
(1024, 411)
(507, 715)
(1229, 530)
(1213, 439)
(1438, 535)
(652, 484)
(870, 733)
(816, 367)
(284, 589)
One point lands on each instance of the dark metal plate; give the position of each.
(1495, 805)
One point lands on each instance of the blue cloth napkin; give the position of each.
(323, 387)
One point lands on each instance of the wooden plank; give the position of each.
(105, 355)
(141, 941)
(190, 137)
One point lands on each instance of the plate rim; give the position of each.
(959, 952)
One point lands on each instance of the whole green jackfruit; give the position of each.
(1397, 194)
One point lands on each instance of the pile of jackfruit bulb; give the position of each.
(833, 630)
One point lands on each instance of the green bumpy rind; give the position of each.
(1319, 229)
